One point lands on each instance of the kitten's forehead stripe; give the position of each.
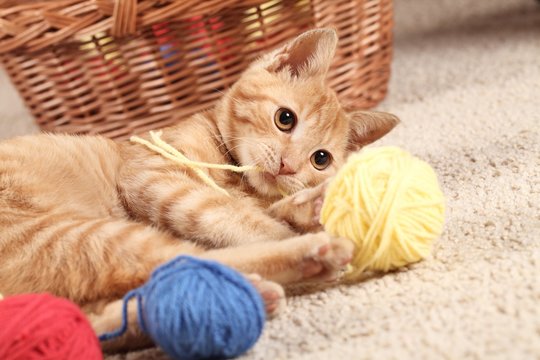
(243, 95)
(328, 123)
(318, 106)
(236, 115)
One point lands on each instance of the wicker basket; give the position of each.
(118, 67)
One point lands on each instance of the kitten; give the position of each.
(89, 219)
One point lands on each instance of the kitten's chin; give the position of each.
(264, 184)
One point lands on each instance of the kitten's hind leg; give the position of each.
(272, 294)
(107, 317)
(84, 259)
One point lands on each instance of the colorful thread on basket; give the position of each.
(389, 204)
(41, 326)
(168, 151)
(197, 309)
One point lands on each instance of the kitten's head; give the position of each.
(282, 117)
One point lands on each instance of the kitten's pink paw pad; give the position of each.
(316, 196)
(310, 268)
(272, 294)
(337, 253)
(317, 207)
(333, 257)
(323, 250)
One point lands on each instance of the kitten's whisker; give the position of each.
(228, 152)
(219, 91)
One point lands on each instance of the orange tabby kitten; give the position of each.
(88, 218)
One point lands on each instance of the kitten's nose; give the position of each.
(285, 168)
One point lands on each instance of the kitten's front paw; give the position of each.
(327, 260)
(272, 294)
(301, 210)
(314, 197)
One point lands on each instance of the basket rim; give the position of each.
(38, 24)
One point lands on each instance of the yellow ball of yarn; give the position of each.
(389, 203)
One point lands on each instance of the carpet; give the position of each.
(465, 82)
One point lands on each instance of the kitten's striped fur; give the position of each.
(88, 218)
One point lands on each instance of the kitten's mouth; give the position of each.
(271, 178)
(278, 183)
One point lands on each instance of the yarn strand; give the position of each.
(156, 137)
(168, 151)
(125, 321)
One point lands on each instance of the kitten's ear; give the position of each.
(310, 54)
(368, 126)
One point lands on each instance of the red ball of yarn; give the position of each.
(41, 326)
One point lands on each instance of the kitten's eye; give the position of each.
(285, 119)
(320, 159)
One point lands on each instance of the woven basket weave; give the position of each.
(118, 67)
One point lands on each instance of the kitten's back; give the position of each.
(59, 212)
(47, 172)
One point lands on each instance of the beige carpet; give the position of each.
(466, 83)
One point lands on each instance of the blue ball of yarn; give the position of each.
(197, 309)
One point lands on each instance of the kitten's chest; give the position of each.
(235, 183)
(208, 150)
(200, 141)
